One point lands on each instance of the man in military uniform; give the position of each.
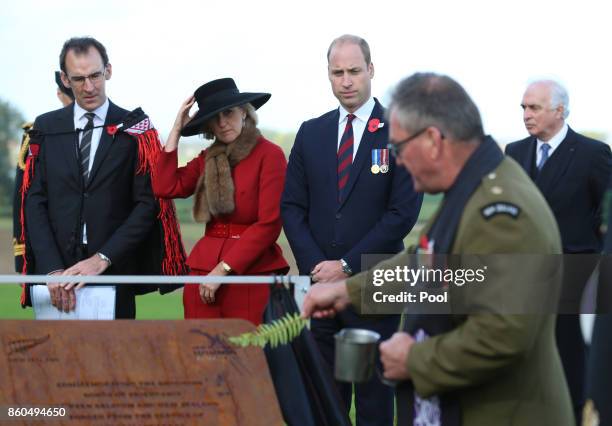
(66, 97)
(487, 363)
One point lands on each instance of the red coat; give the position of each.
(258, 182)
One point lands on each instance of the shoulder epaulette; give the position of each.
(25, 145)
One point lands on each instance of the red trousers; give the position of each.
(246, 301)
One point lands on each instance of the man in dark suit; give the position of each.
(572, 172)
(87, 210)
(344, 197)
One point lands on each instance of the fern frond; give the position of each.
(279, 332)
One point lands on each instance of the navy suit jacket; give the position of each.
(374, 216)
(573, 181)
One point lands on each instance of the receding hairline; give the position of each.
(556, 92)
(351, 39)
(430, 99)
(80, 52)
(550, 85)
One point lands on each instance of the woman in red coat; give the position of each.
(237, 184)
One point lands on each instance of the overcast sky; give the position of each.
(162, 53)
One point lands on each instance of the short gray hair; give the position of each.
(349, 38)
(251, 114)
(558, 95)
(429, 99)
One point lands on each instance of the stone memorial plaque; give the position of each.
(133, 373)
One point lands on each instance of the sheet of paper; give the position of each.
(92, 303)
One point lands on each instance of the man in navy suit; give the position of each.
(344, 197)
(572, 171)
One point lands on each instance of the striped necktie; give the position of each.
(85, 147)
(345, 155)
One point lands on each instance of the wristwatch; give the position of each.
(346, 268)
(226, 267)
(104, 258)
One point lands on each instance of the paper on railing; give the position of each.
(97, 302)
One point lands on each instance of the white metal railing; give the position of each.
(301, 282)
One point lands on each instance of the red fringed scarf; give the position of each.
(173, 262)
(28, 174)
(138, 125)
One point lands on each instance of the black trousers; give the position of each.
(577, 268)
(599, 370)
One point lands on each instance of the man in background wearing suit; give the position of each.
(572, 172)
(345, 197)
(66, 97)
(87, 211)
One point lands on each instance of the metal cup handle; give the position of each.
(388, 382)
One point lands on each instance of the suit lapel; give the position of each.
(69, 141)
(329, 154)
(558, 163)
(363, 153)
(112, 117)
(527, 158)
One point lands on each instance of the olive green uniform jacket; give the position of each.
(503, 367)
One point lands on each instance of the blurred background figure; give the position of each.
(66, 97)
(64, 94)
(598, 407)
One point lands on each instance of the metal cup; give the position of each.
(356, 351)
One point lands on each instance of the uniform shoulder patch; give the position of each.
(500, 207)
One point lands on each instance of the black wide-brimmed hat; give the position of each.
(216, 96)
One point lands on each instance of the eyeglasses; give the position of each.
(95, 78)
(395, 148)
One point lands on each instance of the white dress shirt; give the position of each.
(80, 121)
(362, 115)
(554, 143)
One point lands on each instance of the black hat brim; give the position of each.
(196, 124)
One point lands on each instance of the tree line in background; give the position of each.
(11, 121)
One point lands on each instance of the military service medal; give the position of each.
(384, 160)
(375, 161)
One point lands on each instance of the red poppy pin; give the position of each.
(374, 124)
(111, 130)
(424, 243)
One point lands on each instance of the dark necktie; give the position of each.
(345, 155)
(545, 147)
(85, 147)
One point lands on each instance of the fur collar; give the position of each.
(214, 193)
